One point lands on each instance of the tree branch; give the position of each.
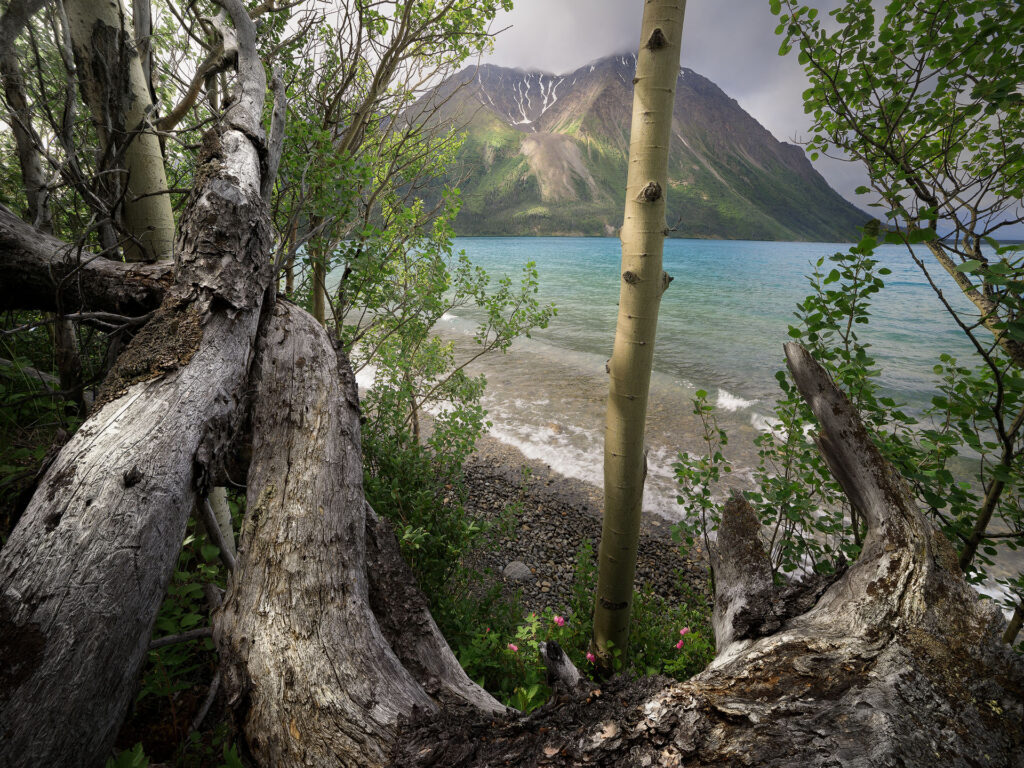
(38, 271)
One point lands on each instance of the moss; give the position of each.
(167, 342)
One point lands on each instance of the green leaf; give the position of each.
(922, 236)
(971, 265)
(209, 552)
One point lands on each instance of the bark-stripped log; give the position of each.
(38, 271)
(302, 650)
(899, 662)
(84, 572)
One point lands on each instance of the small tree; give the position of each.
(643, 282)
(928, 98)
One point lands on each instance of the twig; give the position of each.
(207, 703)
(214, 532)
(193, 634)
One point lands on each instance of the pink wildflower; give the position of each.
(590, 657)
(513, 648)
(684, 631)
(560, 621)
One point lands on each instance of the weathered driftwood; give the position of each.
(84, 572)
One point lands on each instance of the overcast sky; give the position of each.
(732, 42)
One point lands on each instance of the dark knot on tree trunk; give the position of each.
(657, 39)
(650, 193)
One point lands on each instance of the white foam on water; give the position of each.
(764, 423)
(730, 402)
(577, 452)
(366, 376)
(544, 444)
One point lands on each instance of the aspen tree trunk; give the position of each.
(32, 176)
(69, 364)
(116, 89)
(643, 282)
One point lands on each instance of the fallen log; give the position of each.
(85, 570)
(38, 271)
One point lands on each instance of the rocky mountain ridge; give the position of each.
(546, 155)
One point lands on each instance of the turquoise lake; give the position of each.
(721, 328)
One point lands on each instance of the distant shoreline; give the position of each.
(711, 238)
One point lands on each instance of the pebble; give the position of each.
(517, 571)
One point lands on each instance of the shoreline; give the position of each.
(557, 513)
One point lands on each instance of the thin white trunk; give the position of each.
(641, 287)
(113, 82)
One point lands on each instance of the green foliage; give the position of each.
(927, 96)
(698, 475)
(200, 757)
(422, 495)
(129, 758)
(923, 92)
(34, 421)
(960, 456)
(508, 663)
(176, 678)
(506, 660)
(181, 666)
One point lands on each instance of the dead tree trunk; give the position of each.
(84, 572)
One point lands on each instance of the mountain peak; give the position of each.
(547, 154)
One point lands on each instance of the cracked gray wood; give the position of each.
(84, 572)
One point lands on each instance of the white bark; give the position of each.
(222, 514)
(111, 72)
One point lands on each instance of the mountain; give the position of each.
(546, 155)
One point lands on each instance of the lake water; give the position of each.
(721, 328)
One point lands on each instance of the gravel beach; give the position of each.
(557, 515)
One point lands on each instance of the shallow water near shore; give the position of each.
(721, 328)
